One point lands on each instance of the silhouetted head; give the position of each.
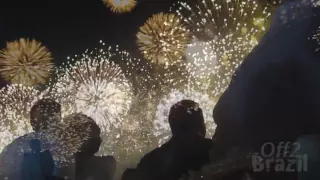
(186, 118)
(44, 113)
(88, 131)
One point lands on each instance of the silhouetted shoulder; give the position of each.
(150, 157)
(153, 158)
(108, 163)
(12, 155)
(155, 164)
(174, 159)
(146, 167)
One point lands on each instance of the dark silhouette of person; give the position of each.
(274, 94)
(43, 114)
(89, 166)
(38, 164)
(187, 150)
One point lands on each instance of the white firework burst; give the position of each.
(161, 123)
(97, 87)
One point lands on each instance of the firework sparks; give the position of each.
(17, 101)
(25, 62)
(228, 31)
(163, 39)
(201, 59)
(96, 87)
(214, 18)
(316, 37)
(6, 138)
(161, 124)
(275, 2)
(120, 6)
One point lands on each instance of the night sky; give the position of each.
(68, 27)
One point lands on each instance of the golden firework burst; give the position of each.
(120, 6)
(25, 62)
(163, 39)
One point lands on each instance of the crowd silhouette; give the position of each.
(272, 98)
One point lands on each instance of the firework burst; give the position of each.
(161, 124)
(226, 31)
(120, 6)
(25, 62)
(17, 101)
(163, 39)
(96, 87)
